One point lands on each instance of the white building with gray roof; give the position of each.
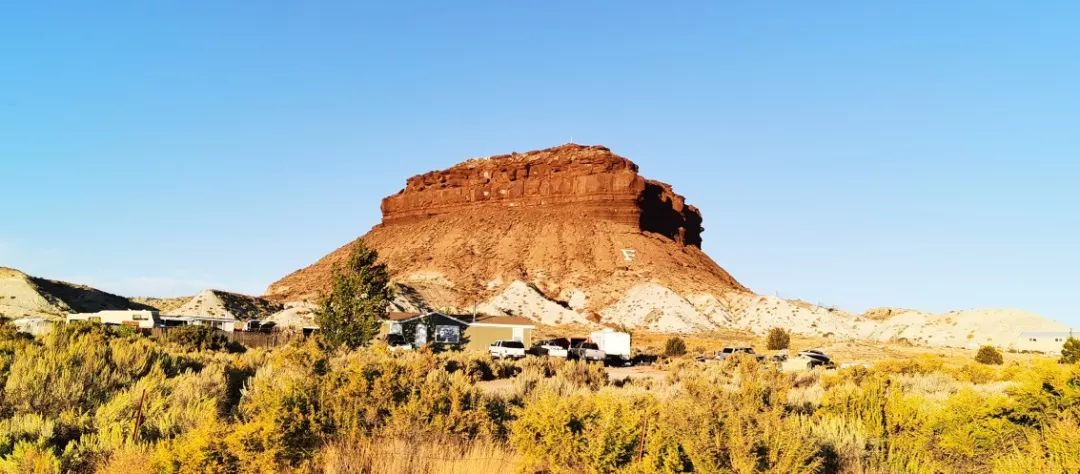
(1048, 342)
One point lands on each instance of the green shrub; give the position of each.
(989, 355)
(69, 400)
(360, 292)
(30, 458)
(199, 338)
(1070, 351)
(77, 366)
(743, 428)
(594, 433)
(778, 339)
(674, 347)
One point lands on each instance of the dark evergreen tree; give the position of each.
(989, 355)
(361, 292)
(778, 339)
(1070, 351)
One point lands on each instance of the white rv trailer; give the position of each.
(141, 319)
(615, 344)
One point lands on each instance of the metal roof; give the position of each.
(467, 318)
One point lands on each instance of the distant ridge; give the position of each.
(24, 295)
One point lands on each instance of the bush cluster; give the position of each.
(70, 400)
(674, 347)
(989, 355)
(1070, 351)
(777, 339)
(200, 338)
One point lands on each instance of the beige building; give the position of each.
(1048, 342)
(143, 319)
(467, 332)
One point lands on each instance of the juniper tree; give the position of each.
(351, 313)
(674, 347)
(778, 339)
(1070, 351)
(989, 355)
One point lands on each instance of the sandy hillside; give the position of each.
(164, 305)
(24, 295)
(227, 305)
(295, 315)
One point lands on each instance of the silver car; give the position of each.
(587, 351)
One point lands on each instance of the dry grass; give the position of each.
(427, 456)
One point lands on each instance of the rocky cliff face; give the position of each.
(585, 181)
(576, 226)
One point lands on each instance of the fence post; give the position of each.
(138, 416)
(644, 434)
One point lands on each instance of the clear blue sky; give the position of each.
(917, 154)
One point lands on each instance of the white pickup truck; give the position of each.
(507, 349)
(587, 351)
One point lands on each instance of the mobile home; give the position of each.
(469, 332)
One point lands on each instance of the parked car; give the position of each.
(730, 351)
(397, 342)
(587, 351)
(815, 358)
(550, 348)
(507, 349)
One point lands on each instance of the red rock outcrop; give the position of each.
(560, 219)
(585, 181)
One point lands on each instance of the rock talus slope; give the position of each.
(573, 234)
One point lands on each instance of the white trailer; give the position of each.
(615, 344)
(135, 318)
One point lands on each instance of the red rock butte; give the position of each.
(565, 220)
(587, 181)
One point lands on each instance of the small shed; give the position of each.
(469, 332)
